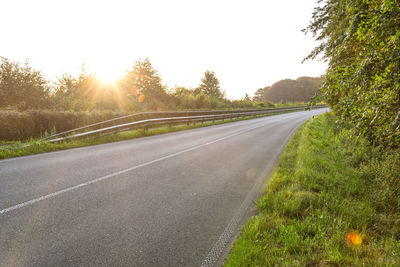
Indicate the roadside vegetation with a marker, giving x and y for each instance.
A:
(300, 90)
(11, 149)
(360, 40)
(23, 125)
(334, 200)
(32, 107)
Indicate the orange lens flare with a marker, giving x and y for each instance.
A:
(141, 98)
(353, 238)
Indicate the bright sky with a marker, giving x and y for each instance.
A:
(248, 44)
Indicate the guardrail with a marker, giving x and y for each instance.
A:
(152, 115)
(152, 119)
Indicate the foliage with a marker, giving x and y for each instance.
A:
(22, 125)
(361, 42)
(140, 90)
(144, 83)
(326, 188)
(300, 90)
(210, 85)
(21, 86)
(193, 99)
(189, 99)
(87, 93)
(246, 102)
(259, 95)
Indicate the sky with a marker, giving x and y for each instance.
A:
(248, 44)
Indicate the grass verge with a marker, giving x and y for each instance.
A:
(36, 146)
(333, 200)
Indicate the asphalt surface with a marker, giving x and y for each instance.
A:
(169, 200)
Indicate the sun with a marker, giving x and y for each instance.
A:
(108, 75)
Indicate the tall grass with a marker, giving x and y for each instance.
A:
(332, 201)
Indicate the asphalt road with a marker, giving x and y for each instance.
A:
(169, 200)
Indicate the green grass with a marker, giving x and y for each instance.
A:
(327, 184)
(36, 146)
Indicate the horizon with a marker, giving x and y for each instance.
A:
(182, 40)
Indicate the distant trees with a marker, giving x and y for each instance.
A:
(85, 92)
(208, 95)
(210, 85)
(360, 40)
(144, 82)
(299, 90)
(75, 93)
(246, 102)
(141, 89)
(260, 94)
(66, 93)
(21, 86)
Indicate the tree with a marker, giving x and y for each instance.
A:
(65, 94)
(184, 97)
(144, 82)
(210, 85)
(300, 90)
(360, 40)
(246, 98)
(22, 87)
(87, 92)
(259, 95)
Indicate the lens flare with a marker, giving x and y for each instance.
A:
(353, 238)
(141, 98)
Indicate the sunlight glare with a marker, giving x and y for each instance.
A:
(108, 75)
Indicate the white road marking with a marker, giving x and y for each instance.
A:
(33, 201)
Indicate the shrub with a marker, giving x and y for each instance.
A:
(20, 125)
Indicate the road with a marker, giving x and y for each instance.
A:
(175, 199)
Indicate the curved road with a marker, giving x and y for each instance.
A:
(175, 199)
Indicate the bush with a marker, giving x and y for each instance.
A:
(21, 125)
(361, 42)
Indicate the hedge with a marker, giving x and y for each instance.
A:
(22, 125)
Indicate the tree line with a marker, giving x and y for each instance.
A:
(360, 40)
(302, 89)
(23, 88)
